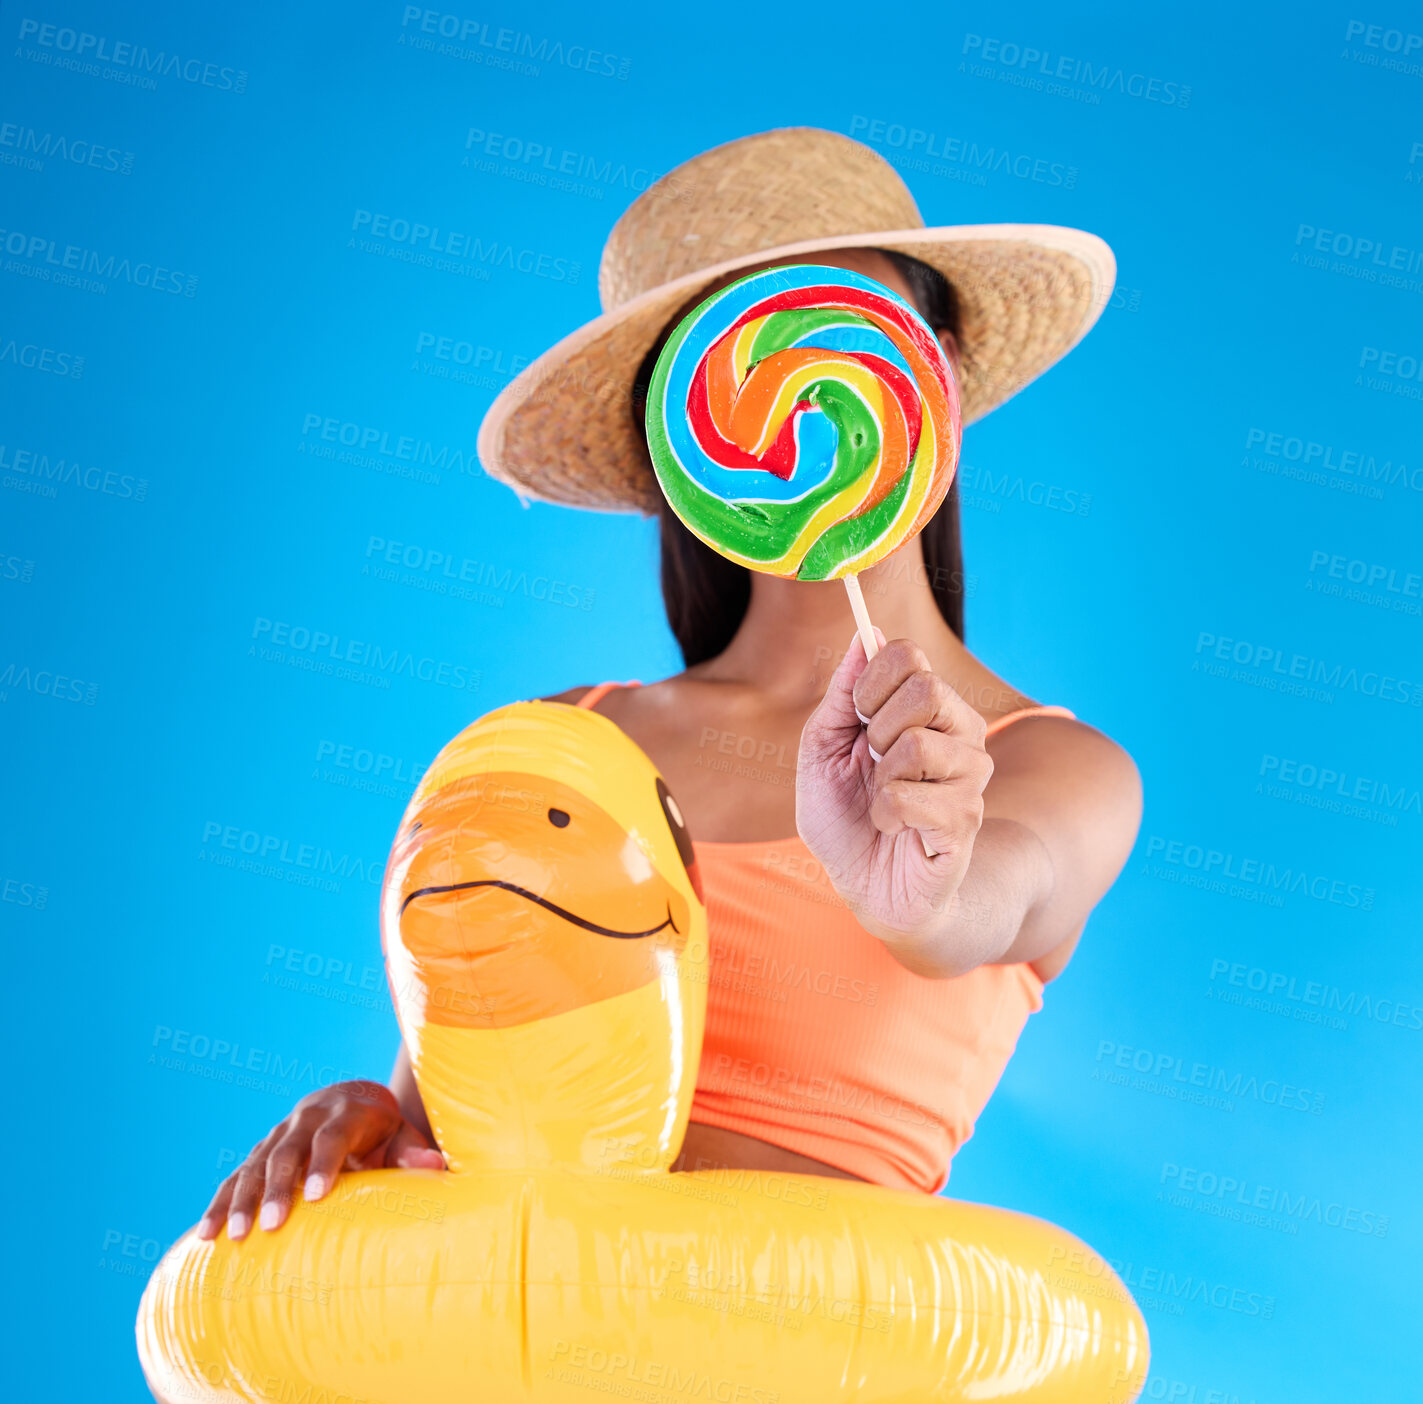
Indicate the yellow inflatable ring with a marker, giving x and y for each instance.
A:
(546, 946)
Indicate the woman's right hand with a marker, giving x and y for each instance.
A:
(349, 1125)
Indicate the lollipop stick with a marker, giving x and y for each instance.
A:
(867, 638)
(862, 615)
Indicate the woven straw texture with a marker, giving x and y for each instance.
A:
(563, 430)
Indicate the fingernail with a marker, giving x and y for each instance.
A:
(864, 720)
(207, 1226)
(237, 1225)
(271, 1215)
(314, 1187)
(874, 754)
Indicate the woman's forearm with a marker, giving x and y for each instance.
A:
(407, 1094)
(1009, 876)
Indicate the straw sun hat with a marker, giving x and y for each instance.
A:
(563, 430)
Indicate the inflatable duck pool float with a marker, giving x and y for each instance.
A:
(546, 945)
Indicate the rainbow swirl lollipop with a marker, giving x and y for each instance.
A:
(804, 422)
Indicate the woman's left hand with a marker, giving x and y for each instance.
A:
(862, 819)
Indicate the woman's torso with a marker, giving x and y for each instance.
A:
(845, 1063)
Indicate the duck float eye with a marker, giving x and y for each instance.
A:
(673, 813)
(558, 1067)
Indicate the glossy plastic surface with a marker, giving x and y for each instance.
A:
(804, 421)
(546, 945)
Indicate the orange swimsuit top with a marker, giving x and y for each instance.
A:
(819, 1041)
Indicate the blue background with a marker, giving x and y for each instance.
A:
(125, 930)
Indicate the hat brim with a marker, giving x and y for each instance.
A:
(563, 431)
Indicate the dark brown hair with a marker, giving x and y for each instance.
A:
(706, 595)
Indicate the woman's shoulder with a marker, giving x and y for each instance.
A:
(619, 701)
(660, 692)
(593, 694)
(992, 697)
(572, 696)
(1058, 742)
(1001, 705)
(659, 716)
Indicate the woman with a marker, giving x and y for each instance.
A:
(864, 998)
